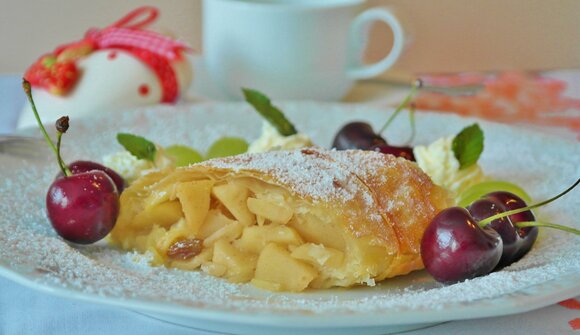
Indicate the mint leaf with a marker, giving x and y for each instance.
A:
(264, 106)
(138, 146)
(468, 145)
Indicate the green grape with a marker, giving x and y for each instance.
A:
(479, 190)
(227, 146)
(183, 155)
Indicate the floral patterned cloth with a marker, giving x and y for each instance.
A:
(510, 97)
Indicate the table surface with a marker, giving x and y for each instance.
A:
(27, 311)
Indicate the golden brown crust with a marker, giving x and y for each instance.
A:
(406, 196)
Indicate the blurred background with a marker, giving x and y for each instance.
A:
(447, 35)
(525, 54)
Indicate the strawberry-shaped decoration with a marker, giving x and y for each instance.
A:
(52, 75)
(38, 73)
(63, 76)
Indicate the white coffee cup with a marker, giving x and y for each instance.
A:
(292, 49)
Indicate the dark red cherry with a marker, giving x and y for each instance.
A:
(405, 152)
(524, 237)
(83, 207)
(77, 167)
(356, 135)
(484, 208)
(454, 248)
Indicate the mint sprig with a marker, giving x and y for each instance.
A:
(467, 146)
(273, 115)
(138, 146)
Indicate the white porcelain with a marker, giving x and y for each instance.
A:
(292, 49)
(32, 254)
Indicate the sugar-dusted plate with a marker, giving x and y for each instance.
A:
(31, 253)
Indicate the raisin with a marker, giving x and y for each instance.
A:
(185, 249)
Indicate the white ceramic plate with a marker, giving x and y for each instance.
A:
(31, 253)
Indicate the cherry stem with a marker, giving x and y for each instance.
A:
(412, 122)
(27, 89)
(524, 224)
(416, 85)
(67, 172)
(484, 222)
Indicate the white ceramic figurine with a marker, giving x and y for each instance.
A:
(119, 67)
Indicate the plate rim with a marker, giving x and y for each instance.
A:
(516, 302)
(529, 302)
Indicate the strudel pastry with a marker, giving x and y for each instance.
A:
(285, 220)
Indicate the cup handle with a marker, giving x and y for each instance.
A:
(361, 25)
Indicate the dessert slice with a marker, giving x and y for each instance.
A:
(285, 220)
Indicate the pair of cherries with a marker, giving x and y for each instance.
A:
(83, 201)
(491, 233)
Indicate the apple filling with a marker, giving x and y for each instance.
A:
(245, 230)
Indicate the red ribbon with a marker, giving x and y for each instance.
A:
(151, 13)
(152, 48)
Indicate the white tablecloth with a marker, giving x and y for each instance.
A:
(24, 311)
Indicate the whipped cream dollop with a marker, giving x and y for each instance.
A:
(272, 140)
(438, 161)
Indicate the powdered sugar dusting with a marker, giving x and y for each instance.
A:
(29, 247)
(319, 175)
(321, 179)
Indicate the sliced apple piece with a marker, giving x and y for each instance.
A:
(255, 238)
(277, 267)
(214, 269)
(233, 196)
(164, 214)
(320, 230)
(228, 233)
(160, 195)
(240, 265)
(214, 221)
(194, 197)
(318, 255)
(270, 210)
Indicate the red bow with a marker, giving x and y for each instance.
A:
(127, 32)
